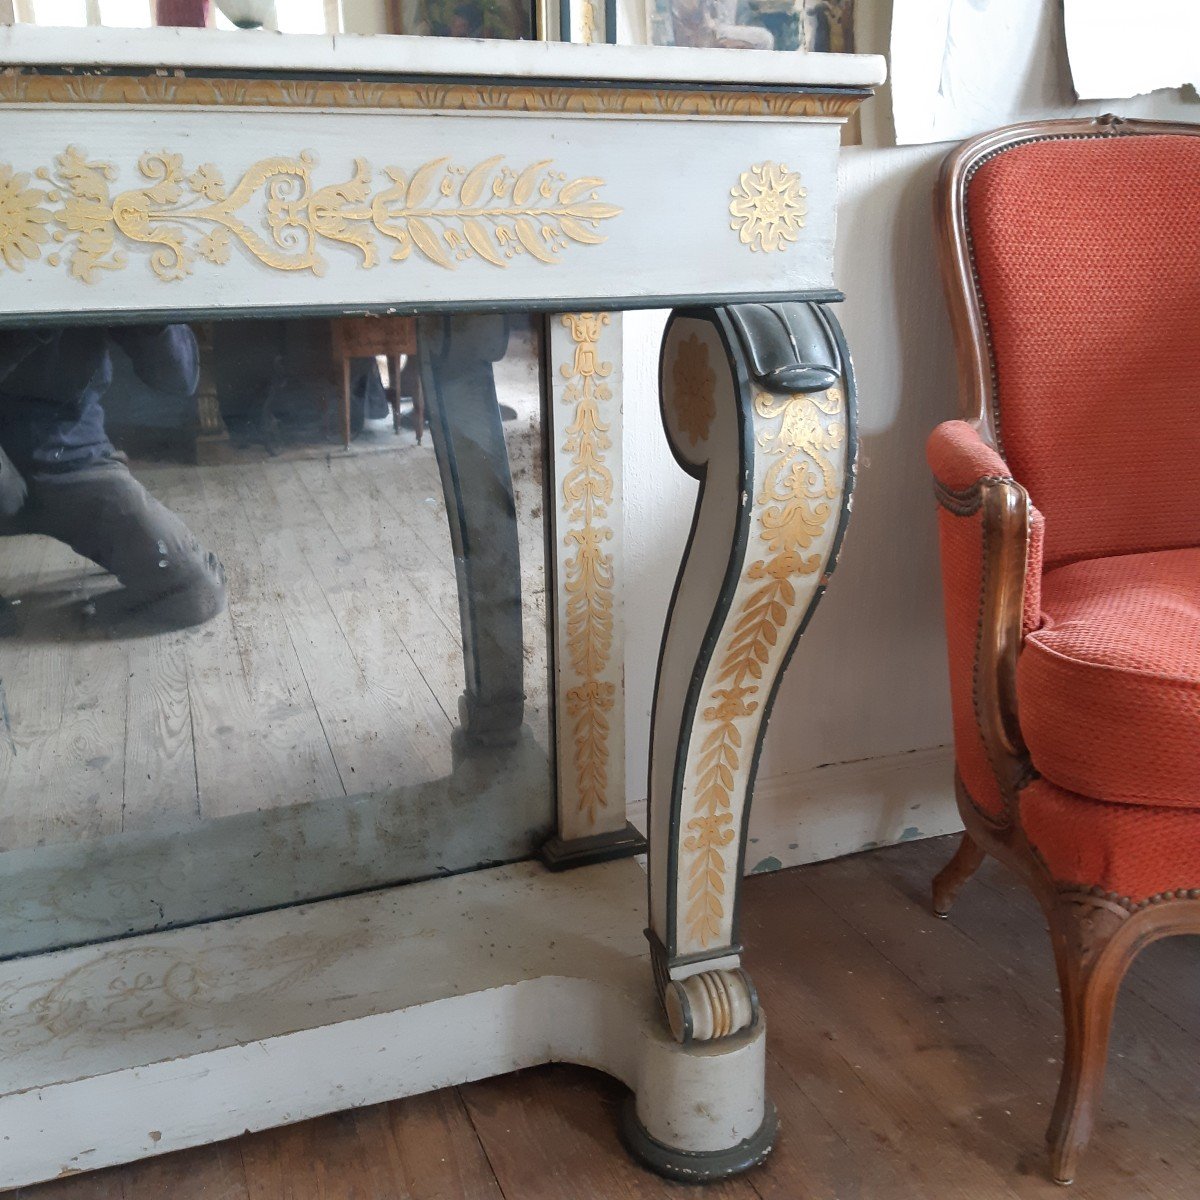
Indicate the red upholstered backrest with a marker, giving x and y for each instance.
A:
(1087, 253)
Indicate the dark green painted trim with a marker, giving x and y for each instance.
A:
(136, 71)
(103, 316)
(691, 1166)
(562, 854)
(686, 960)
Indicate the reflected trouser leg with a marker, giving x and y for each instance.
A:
(12, 489)
(103, 513)
(457, 353)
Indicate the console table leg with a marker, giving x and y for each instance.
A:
(758, 405)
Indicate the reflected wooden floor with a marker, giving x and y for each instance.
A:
(910, 1059)
(335, 671)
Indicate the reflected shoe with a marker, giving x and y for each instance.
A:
(191, 599)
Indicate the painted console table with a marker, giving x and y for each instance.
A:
(192, 174)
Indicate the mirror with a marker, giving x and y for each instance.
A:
(274, 615)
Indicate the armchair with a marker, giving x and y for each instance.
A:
(1069, 511)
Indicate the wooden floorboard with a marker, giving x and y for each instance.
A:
(909, 1058)
(327, 652)
(552, 1133)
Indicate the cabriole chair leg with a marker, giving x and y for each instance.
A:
(1090, 970)
(950, 879)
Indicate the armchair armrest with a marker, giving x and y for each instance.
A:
(991, 546)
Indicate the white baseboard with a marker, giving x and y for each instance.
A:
(847, 807)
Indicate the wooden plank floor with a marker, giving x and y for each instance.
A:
(910, 1059)
(336, 669)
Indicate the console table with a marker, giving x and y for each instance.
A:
(190, 175)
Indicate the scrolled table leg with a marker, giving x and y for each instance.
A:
(758, 406)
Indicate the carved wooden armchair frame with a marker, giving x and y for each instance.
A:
(1095, 934)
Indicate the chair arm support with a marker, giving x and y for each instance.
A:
(991, 564)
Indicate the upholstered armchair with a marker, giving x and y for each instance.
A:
(1069, 509)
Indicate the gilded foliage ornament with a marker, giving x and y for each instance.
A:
(589, 576)
(441, 212)
(796, 499)
(768, 207)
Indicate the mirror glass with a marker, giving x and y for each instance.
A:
(273, 623)
(444, 18)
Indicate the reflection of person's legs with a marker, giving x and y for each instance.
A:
(103, 513)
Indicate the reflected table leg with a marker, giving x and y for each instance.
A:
(458, 354)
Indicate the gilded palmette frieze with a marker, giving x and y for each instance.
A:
(18, 86)
(439, 211)
(588, 571)
(795, 500)
(768, 207)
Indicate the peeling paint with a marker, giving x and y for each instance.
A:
(770, 863)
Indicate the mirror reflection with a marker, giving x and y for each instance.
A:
(273, 622)
(442, 18)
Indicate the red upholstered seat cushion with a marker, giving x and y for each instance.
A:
(1109, 686)
(1133, 851)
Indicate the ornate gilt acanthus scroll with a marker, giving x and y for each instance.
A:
(442, 212)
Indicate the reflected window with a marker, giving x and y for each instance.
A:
(130, 14)
(56, 12)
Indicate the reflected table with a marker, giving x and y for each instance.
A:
(194, 175)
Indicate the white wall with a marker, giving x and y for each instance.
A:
(857, 752)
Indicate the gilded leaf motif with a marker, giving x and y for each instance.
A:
(794, 501)
(589, 581)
